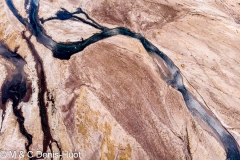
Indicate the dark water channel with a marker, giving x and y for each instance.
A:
(15, 88)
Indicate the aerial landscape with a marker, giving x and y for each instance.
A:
(109, 80)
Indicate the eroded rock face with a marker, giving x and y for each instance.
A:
(114, 101)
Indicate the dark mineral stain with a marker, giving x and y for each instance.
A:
(29, 91)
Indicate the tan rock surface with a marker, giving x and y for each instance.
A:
(109, 101)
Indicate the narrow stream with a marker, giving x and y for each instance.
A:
(47, 136)
(66, 50)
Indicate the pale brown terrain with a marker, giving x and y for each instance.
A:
(110, 101)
